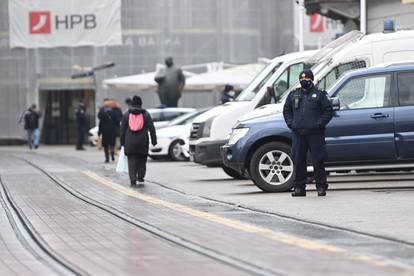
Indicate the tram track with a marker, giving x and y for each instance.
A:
(241, 265)
(32, 240)
(301, 220)
(213, 254)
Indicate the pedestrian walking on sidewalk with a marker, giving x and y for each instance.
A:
(81, 125)
(307, 111)
(136, 123)
(108, 126)
(31, 125)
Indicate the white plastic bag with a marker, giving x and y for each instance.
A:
(122, 165)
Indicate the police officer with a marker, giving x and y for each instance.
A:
(307, 111)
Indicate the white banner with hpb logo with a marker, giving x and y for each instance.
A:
(55, 23)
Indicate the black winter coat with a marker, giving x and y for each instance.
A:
(312, 112)
(81, 116)
(137, 143)
(107, 126)
(31, 119)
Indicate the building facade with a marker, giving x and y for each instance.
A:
(192, 31)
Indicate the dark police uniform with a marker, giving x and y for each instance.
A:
(306, 113)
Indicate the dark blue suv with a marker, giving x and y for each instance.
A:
(372, 129)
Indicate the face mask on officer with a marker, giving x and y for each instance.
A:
(306, 79)
(306, 83)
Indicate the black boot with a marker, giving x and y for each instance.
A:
(321, 191)
(133, 183)
(113, 153)
(299, 192)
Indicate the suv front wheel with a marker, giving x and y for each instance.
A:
(271, 167)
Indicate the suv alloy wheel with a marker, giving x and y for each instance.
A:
(271, 167)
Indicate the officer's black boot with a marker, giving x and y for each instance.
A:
(321, 191)
(299, 192)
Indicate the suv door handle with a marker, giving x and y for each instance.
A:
(379, 116)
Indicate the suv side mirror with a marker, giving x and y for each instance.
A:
(336, 105)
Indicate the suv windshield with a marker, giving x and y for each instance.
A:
(258, 82)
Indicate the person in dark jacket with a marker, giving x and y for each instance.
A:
(136, 141)
(228, 94)
(117, 111)
(31, 125)
(108, 125)
(307, 111)
(171, 82)
(81, 125)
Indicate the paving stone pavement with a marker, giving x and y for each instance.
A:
(247, 246)
(93, 240)
(15, 259)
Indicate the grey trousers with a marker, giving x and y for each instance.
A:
(137, 167)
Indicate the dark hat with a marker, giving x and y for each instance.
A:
(306, 73)
(136, 101)
(228, 87)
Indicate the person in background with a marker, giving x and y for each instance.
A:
(31, 125)
(116, 108)
(228, 94)
(108, 126)
(81, 125)
(171, 82)
(128, 102)
(136, 124)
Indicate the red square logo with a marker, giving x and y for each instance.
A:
(316, 23)
(39, 22)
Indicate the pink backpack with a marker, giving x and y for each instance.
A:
(135, 122)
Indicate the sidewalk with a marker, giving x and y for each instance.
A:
(384, 212)
(96, 241)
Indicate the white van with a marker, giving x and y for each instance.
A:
(365, 51)
(210, 130)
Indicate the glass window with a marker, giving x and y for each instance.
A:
(330, 78)
(289, 76)
(294, 72)
(365, 92)
(169, 115)
(156, 116)
(406, 88)
(253, 88)
(281, 84)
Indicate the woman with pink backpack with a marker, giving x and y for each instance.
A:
(135, 125)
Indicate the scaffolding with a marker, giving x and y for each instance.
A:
(192, 31)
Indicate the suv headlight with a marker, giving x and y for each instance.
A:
(237, 134)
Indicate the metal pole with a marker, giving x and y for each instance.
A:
(301, 15)
(363, 16)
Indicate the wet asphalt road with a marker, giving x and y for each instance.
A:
(363, 226)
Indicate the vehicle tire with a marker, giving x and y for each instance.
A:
(175, 152)
(233, 173)
(271, 167)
